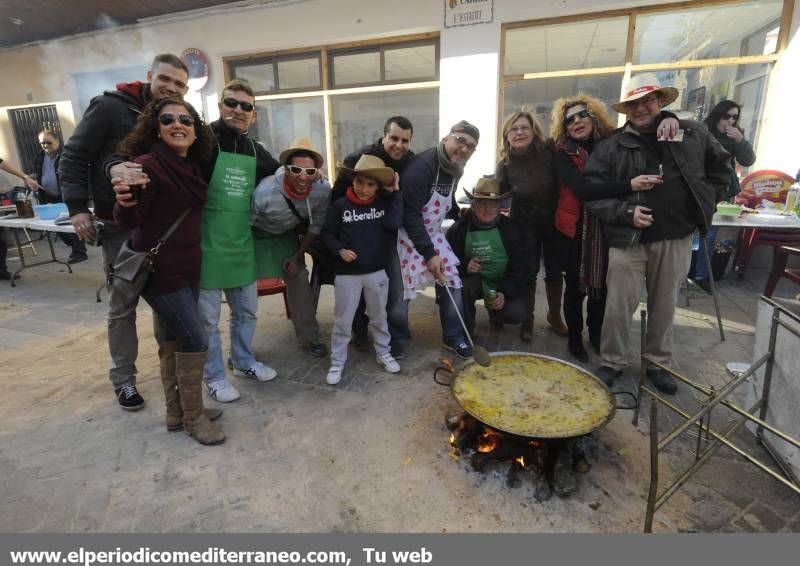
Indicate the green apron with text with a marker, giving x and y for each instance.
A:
(227, 243)
(487, 246)
(272, 250)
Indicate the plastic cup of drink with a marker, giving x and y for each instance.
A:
(132, 175)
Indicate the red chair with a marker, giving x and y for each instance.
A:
(752, 237)
(273, 286)
(779, 269)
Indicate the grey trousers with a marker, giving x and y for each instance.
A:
(301, 305)
(347, 290)
(662, 266)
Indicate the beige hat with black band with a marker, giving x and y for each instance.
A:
(487, 189)
(642, 85)
(372, 167)
(301, 144)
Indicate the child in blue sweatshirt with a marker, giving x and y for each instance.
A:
(356, 231)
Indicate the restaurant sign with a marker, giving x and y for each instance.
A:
(467, 12)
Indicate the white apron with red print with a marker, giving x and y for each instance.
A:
(412, 265)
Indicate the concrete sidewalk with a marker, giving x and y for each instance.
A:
(369, 455)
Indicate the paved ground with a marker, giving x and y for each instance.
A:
(369, 455)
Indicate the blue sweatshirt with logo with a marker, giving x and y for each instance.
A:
(365, 229)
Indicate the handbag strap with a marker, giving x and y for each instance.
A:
(293, 208)
(169, 232)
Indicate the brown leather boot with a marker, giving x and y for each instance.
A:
(554, 294)
(189, 371)
(526, 328)
(174, 419)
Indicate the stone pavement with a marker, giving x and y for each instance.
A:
(369, 455)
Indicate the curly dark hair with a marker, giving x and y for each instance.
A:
(145, 134)
(718, 113)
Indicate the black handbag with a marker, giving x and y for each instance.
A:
(132, 269)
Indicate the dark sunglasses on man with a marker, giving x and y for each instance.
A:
(233, 103)
(572, 117)
(166, 119)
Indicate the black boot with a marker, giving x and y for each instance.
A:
(575, 346)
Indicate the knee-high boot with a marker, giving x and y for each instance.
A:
(174, 419)
(526, 328)
(554, 289)
(189, 371)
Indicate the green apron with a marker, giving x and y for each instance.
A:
(487, 245)
(227, 243)
(272, 250)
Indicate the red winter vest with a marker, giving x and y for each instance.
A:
(568, 209)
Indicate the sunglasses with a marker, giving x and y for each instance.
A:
(233, 103)
(462, 141)
(166, 119)
(734, 117)
(296, 170)
(647, 100)
(572, 117)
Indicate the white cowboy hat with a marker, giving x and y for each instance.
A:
(301, 144)
(642, 85)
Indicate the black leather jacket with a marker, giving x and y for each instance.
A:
(701, 160)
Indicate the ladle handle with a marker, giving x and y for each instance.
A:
(458, 313)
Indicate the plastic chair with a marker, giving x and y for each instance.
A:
(273, 286)
(779, 269)
(752, 237)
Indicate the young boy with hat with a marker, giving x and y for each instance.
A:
(356, 231)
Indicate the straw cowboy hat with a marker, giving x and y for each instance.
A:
(642, 85)
(301, 144)
(372, 167)
(487, 189)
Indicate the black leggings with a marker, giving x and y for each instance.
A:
(569, 251)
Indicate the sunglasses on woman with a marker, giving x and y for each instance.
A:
(572, 117)
(734, 117)
(233, 103)
(166, 119)
(295, 170)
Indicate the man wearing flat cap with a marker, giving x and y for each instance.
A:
(288, 213)
(650, 232)
(428, 186)
(492, 258)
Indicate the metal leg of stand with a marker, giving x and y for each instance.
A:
(704, 247)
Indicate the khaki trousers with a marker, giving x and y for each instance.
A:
(663, 267)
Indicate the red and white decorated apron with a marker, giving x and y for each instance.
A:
(412, 265)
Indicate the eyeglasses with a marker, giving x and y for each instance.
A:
(296, 170)
(734, 117)
(462, 141)
(572, 117)
(233, 103)
(645, 101)
(520, 129)
(166, 119)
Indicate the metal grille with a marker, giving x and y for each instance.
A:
(27, 123)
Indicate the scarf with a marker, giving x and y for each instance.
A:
(445, 164)
(355, 199)
(290, 192)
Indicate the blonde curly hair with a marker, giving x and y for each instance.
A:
(603, 126)
(538, 131)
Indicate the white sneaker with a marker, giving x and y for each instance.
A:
(257, 371)
(388, 362)
(222, 391)
(334, 375)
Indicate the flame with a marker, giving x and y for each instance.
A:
(520, 460)
(452, 439)
(487, 441)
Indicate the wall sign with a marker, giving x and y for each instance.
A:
(467, 12)
(198, 67)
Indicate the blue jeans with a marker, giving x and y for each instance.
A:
(452, 331)
(700, 266)
(243, 302)
(396, 307)
(178, 312)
